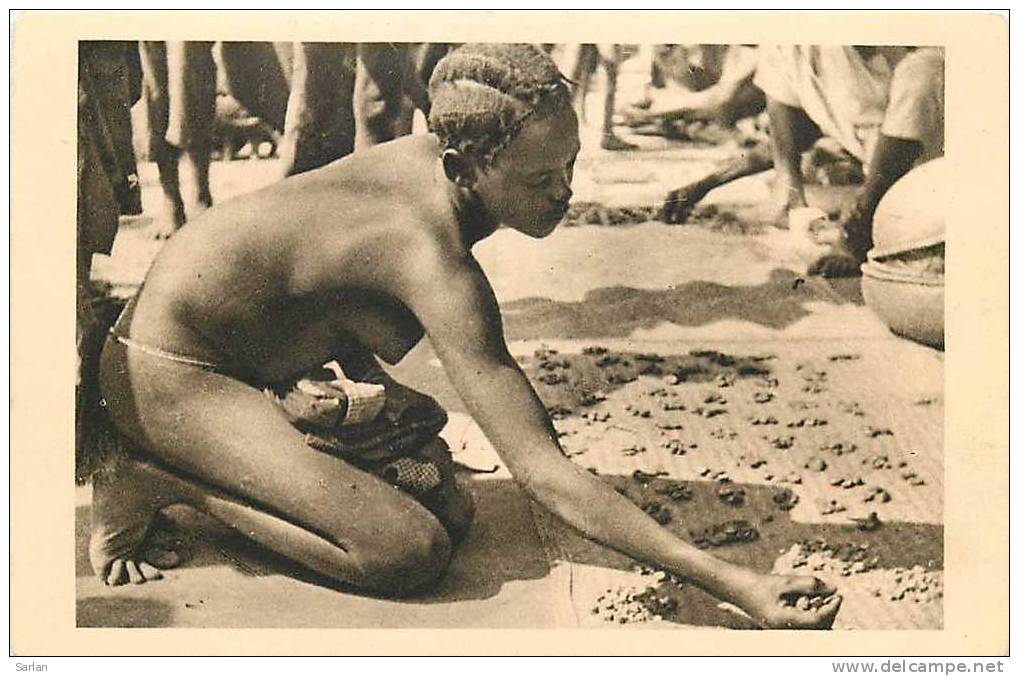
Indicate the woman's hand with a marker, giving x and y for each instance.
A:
(790, 602)
(403, 402)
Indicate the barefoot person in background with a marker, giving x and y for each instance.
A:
(179, 86)
(609, 57)
(357, 260)
(884, 105)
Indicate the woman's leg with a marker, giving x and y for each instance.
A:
(230, 452)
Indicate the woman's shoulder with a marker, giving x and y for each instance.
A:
(408, 151)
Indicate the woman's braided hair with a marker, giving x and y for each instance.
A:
(483, 93)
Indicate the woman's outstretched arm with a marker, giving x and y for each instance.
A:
(459, 311)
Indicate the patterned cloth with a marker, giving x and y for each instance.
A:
(377, 425)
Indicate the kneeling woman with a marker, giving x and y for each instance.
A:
(355, 260)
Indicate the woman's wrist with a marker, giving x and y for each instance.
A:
(724, 580)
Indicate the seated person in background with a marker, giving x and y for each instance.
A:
(884, 105)
(359, 258)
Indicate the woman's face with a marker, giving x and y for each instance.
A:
(528, 186)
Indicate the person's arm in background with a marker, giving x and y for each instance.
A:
(893, 157)
(733, 97)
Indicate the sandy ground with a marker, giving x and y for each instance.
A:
(645, 288)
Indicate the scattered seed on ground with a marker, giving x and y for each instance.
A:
(724, 533)
(815, 464)
(724, 380)
(851, 407)
(643, 477)
(559, 412)
(827, 506)
(807, 422)
(848, 482)
(781, 442)
(675, 492)
(845, 558)
(846, 356)
(785, 499)
(677, 447)
(877, 494)
(731, 495)
(657, 511)
(838, 448)
(869, 523)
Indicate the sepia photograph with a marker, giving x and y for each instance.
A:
(628, 336)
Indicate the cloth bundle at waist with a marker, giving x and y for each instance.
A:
(374, 423)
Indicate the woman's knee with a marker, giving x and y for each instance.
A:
(410, 556)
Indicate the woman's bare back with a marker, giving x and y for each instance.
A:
(271, 283)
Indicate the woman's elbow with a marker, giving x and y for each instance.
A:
(548, 491)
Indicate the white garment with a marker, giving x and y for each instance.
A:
(854, 99)
(916, 102)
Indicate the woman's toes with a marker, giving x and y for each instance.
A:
(149, 572)
(116, 574)
(133, 574)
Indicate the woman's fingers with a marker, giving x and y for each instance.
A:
(818, 617)
(807, 585)
(827, 612)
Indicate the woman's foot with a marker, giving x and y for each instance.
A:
(125, 502)
(613, 142)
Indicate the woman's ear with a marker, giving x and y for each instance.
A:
(458, 168)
